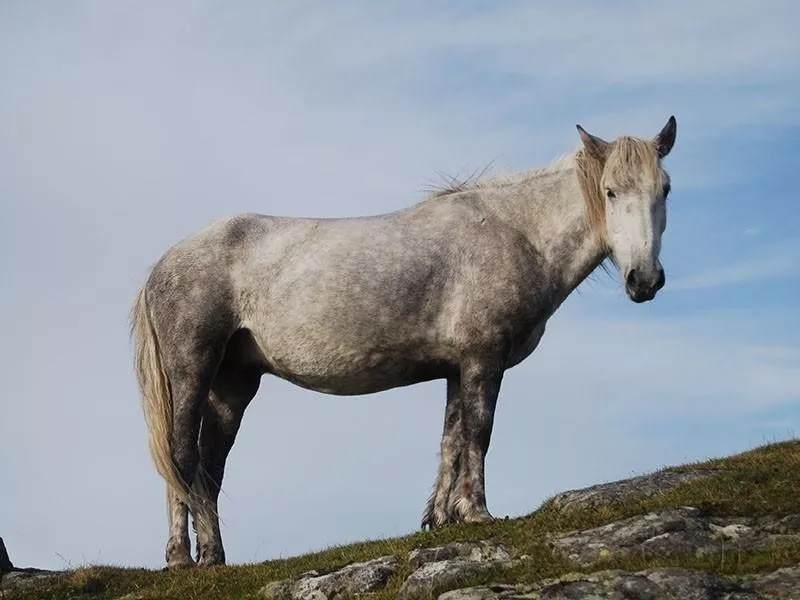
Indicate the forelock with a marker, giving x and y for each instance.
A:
(630, 159)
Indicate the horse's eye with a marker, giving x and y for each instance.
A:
(667, 189)
(610, 194)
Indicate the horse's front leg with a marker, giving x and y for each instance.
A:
(480, 386)
(437, 511)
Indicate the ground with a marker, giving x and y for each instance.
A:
(734, 517)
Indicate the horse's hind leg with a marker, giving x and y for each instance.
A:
(179, 553)
(189, 396)
(231, 392)
(437, 511)
(191, 366)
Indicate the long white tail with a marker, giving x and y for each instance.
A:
(156, 396)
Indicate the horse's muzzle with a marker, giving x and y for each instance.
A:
(641, 288)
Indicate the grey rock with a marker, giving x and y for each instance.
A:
(471, 560)
(11, 576)
(675, 532)
(356, 578)
(653, 584)
(277, 590)
(26, 577)
(479, 551)
(625, 490)
(487, 592)
(783, 584)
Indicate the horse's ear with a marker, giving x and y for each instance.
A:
(595, 146)
(666, 138)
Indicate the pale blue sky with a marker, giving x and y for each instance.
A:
(125, 126)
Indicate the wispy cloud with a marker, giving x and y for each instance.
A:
(666, 366)
(778, 261)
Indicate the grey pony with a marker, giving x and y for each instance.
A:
(457, 287)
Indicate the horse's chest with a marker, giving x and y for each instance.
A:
(526, 345)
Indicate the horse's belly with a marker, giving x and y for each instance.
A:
(348, 378)
(337, 363)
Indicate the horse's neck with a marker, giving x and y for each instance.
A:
(550, 211)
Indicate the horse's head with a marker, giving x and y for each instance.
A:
(631, 188)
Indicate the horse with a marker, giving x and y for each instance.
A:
(458, 286)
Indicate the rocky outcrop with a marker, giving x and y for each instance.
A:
(672, 533)
(17, 576)
(634, 558)
(26, 577)
(446, 566)
(351, 580)
(473, 551)
(676, 532)
(652, 584)
(438, 568)
(626, 490)
(783, 584)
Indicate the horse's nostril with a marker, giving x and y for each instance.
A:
(635, 281)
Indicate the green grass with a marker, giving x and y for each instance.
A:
(764, 481)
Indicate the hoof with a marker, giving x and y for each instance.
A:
(178, 557)
(210, 562)
(208, 557)
(470, 513)
(430, 525)
(432, 521)
(483, 517)
(180, 564)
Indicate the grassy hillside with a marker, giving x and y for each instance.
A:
(761, 482)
